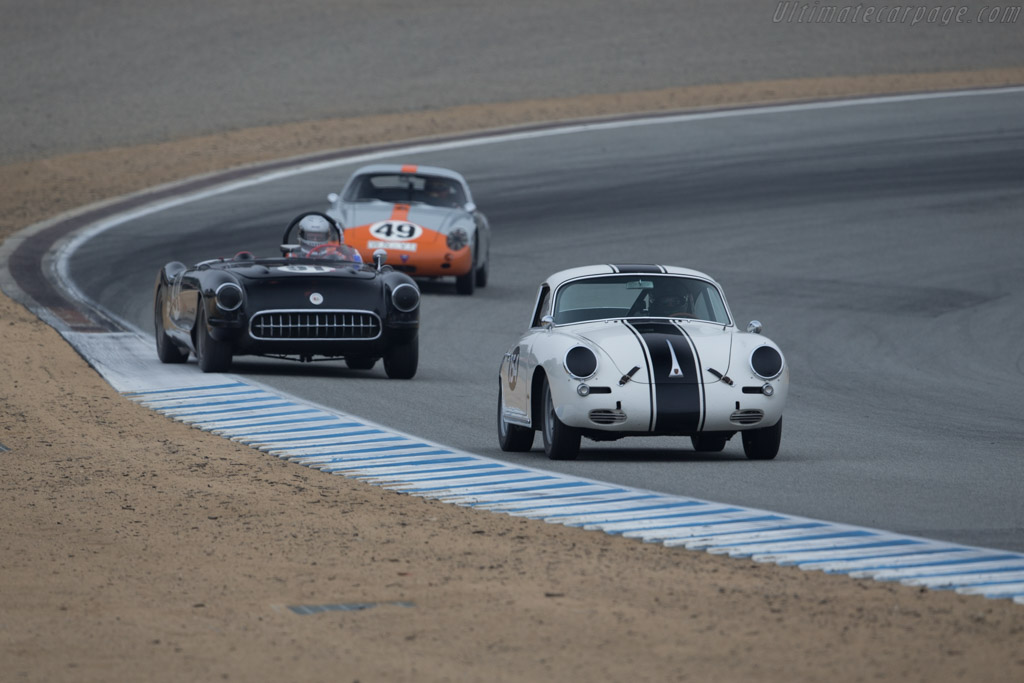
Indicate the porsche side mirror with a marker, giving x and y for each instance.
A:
(470, 207)
(547, 321)
(332, 197)
(755, 327)
(380, 257)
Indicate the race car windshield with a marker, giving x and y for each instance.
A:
(632, 296)
(406, 188)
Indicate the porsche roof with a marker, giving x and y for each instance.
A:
(630, 268)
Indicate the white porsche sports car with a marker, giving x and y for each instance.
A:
(424, 217)
(639, 350)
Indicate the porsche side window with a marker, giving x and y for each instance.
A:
(543, 306)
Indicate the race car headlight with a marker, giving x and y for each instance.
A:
(405, 297)
(229, 296)
(457, 239)
(580, 362)
(766, 362)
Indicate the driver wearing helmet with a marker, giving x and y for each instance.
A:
(440, 192)
(672, 304)
(315, 241)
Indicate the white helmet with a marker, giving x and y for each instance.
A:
(313, 231)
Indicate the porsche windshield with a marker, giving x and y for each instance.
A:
(639, 296)
(406, 188)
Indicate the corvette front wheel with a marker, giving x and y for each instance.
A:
(762, 444)
(166, 350)
(213, 355)
(560, 441)
(401, 360)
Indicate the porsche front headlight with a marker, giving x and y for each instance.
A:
(766, 362)
(580, 362)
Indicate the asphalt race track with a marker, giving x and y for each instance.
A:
(877, 241)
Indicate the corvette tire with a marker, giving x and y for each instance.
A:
(763, 444)
(166, 350)
(560, 441)
(512, 438)
(401, 360)
(213, 355)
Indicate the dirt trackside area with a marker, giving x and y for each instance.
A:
(134, 548)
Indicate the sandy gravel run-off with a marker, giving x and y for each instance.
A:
(136, 548)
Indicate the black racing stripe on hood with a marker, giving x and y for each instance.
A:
(636, 268)
(675, 377)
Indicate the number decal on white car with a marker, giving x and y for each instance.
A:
(395, 230)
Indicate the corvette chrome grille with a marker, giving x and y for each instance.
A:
(607, 417)
(746, 417)
(314, 325)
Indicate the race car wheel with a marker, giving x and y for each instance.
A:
(512, 438)
(560, 442)
(763, 444)
(481, 272)
(360, 362)
(401, 360)
(213, 355)
(464, 284)
(166, 350)
(708, 443)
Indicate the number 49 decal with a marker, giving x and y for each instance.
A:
(395, 230)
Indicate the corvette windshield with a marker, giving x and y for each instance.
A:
(406, 188)
(639, 296)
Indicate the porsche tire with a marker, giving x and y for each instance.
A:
(402, 360)
(465, 284)
(482, 272)
(166, 350)
(762, 444)
(560, 441)
(512, 438)
(708, 443)
(213, 355)
(360, 362)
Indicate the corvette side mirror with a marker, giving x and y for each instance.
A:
(288, 249)
(379, 258)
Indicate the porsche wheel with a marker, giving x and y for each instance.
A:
(360, 362)
(213, 355)
(401, 360)
(512, 438)
(166, 350)
(560, 442)
(708, 443)
(465, 284)
(763, 444)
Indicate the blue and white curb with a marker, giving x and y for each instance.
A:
(338, 443)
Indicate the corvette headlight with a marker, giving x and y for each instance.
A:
(457, 239)
(580, 362)
(229, 296)
(405, 297)
(766, 362)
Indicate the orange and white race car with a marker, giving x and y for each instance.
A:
(422, 216)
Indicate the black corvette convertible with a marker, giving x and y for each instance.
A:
(299, 307)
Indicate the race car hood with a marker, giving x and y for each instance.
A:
(667, 350)
(298, 269)
(434, 218)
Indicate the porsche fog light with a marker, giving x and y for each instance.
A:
(766, 362)
(768, 389)
(583, 390)
(229, 296)
(405, 297)
(457, 239)
(580, 362)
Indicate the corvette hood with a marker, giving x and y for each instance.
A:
(435, 218)
(677, 352)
